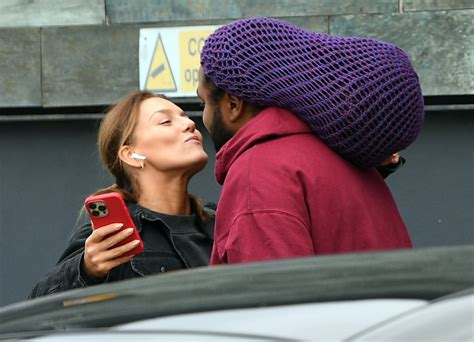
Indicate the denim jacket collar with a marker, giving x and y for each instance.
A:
(138, 213)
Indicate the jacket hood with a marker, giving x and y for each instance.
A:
(270, 123)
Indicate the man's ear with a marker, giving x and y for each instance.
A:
(125, 155)
(235, 108)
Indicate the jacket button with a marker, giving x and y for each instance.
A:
(163, 269)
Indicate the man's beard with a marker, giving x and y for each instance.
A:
(219, 133)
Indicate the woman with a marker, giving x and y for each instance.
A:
(176, 230)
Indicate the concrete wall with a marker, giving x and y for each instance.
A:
(85, 52)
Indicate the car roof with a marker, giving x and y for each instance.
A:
(425, 273)
(448, 319)
(322, 321)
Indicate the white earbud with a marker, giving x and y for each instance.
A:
(137, 156)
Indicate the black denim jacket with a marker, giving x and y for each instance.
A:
(68, 273)
(169, 255)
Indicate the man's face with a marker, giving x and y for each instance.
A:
(213, 116)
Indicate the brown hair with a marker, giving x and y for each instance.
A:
(115, 131)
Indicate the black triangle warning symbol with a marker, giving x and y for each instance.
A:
(160, 77)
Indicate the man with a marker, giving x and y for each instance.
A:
(286, 192)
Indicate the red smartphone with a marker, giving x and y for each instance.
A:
(110, 208)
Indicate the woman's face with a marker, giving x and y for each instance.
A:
(168, 138)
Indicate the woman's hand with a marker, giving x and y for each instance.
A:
(100, 256)
(392, 159)
(390, 165)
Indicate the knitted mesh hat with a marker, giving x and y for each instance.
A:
(361, 96)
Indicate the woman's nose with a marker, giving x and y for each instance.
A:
(190, 124)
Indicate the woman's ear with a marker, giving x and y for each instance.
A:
(126, 156)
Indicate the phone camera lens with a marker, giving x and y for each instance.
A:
(92, 206)
(95, 213)
(102, 208)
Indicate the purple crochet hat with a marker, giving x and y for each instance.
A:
(361, 96)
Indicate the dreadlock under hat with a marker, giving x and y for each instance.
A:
(361, 96)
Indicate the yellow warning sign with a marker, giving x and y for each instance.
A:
(190, 47)
(160, 77)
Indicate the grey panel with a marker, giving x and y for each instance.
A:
(142, 11)
(440, 44)
(89, 65)
(51, 12)
(427, 5)
(3, 241)
(20, 67)
(315, 23)
(434, 191)
(50, 167)
(283, 8)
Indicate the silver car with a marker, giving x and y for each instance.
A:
(408, 295)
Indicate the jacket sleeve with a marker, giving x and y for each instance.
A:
(68, 274)
(265, 235)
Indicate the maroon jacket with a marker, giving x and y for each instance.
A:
(286, 194)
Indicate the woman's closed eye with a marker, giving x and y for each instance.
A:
(165, 122)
